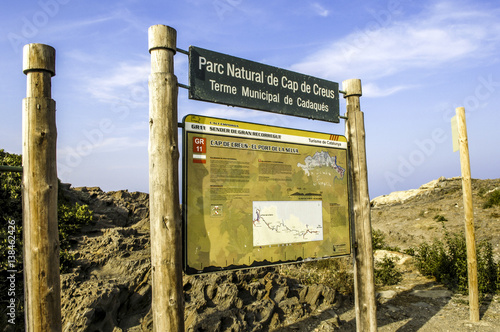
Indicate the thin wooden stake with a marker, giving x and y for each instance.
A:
(42, 292)
(469, 216)
(366, 310)
(166, 240)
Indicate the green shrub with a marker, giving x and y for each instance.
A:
(10, 225)
(410, 251)
(386, 272)
(493, 199)
(10, 209)
(67, 261)
(439, 218)
(71, 218)
(447, 262)
(378, 239)
(487, 269)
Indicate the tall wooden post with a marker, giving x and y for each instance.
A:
(41, 238)
(469, 215)
(366, 313)
(166, 239)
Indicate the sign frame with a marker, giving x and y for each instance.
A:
(229, 80)
(194, 153)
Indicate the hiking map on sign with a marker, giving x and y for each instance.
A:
(258, 195)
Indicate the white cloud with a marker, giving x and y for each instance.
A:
(371, 89)
(106, 145)
(440, 35)
(121, 143)
(126, 82)
(320, 10)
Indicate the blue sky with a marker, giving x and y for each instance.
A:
(417, 60)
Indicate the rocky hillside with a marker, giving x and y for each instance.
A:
(408, 218)
(109, 288)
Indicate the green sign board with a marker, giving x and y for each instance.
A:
(258, 195)
(224, 79)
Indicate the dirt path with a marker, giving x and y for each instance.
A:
(416, 304)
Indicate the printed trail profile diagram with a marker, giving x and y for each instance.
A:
(284, 222)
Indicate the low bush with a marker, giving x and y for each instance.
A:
(71, 218)
(488, 271)
(386, 272)
(378, 242)
(447, 261)
(378, 239)
(439, 218)
(492, 199)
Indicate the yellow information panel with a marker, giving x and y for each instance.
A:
(258, 195)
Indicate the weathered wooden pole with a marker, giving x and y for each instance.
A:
(469, 215)
(166, 240)
(42, 291)
(366, 311)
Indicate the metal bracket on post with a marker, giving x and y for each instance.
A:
(182, 51)
(6, 168)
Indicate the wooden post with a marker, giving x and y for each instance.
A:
(42, 292)
(366, 311)
(469, 215)
(164, 210)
